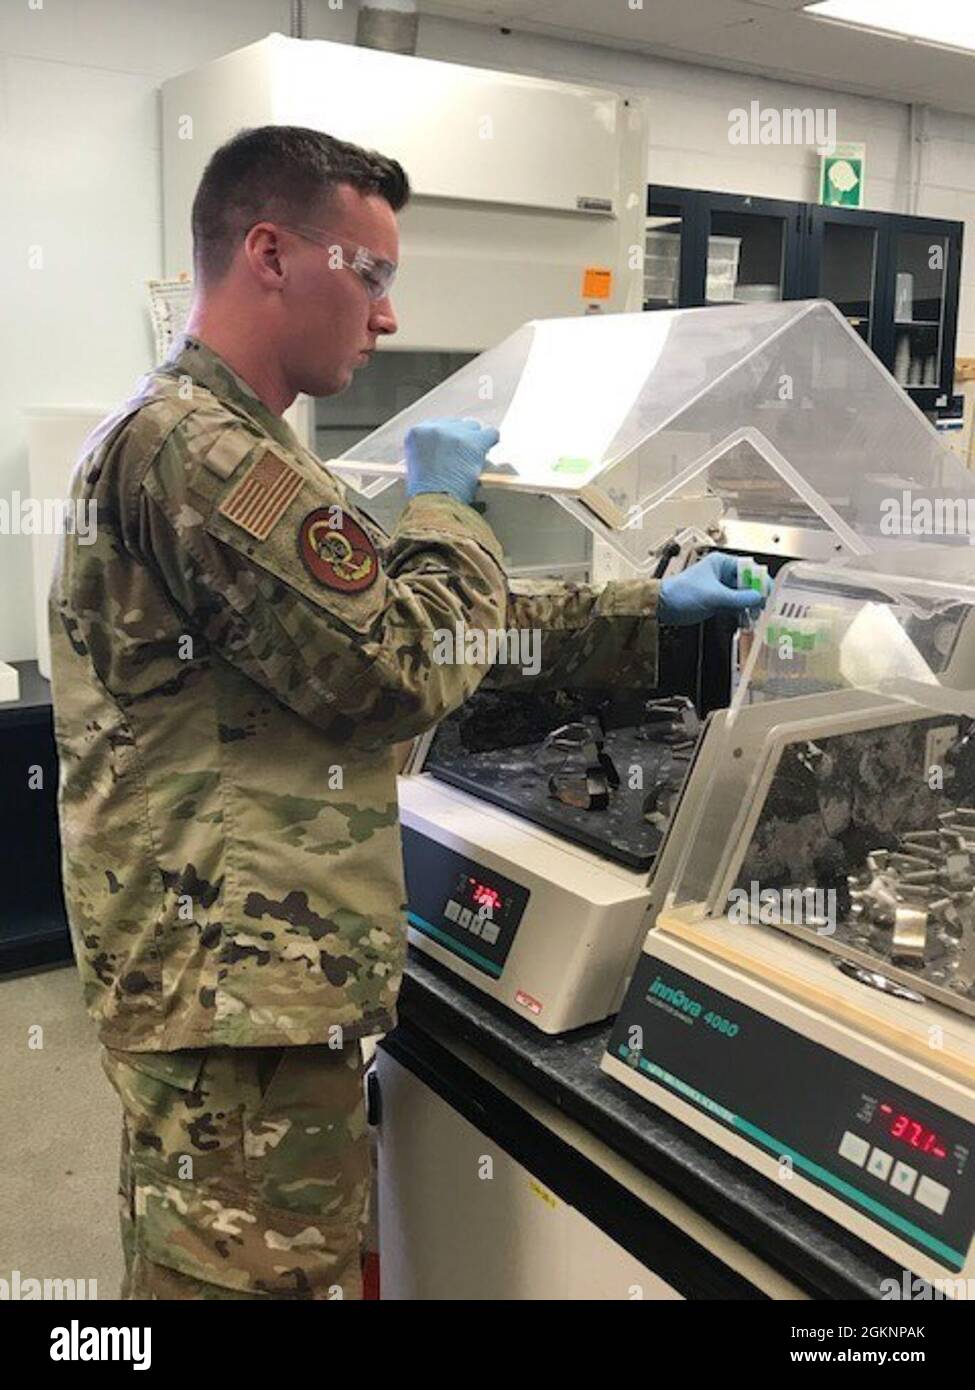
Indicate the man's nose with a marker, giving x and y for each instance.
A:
(383, 317)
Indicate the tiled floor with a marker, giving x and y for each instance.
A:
(59, 1136)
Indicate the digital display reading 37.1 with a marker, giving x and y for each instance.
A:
(911, 1131)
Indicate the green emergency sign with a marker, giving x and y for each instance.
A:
(841, 177)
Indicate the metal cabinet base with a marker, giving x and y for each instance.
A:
(484, 1194)
(460, 1219)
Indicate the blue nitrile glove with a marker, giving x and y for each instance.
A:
(703, 589)
(447, 456)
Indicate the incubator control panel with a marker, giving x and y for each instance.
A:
(896, 1157)
(471, 910)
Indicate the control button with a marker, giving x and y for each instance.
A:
(903, 1178)
(490, 933)
(451, 910)
(880, 1164)
(476, 923)
(854, 1148)
(933, 1195)
(465, 917)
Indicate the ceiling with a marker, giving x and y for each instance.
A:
(772, 38)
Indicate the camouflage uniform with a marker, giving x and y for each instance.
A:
(244, 1173)
(234, 658)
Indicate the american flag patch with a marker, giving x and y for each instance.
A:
(262, 496)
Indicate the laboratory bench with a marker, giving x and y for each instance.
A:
(705, 1224)
(33, 923)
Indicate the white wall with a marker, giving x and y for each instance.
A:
(79, 168)
(80, 180)
(689, 130)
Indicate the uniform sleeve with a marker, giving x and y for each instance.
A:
(284, 580)
(580, 636)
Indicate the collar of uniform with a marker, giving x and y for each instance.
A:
(191, 357)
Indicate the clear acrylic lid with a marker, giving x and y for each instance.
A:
(844, 772)
(888, 625)
(775, 413)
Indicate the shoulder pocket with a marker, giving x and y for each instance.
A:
(228, 451)
(293, 525)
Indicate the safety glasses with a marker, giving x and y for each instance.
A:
(376, 274)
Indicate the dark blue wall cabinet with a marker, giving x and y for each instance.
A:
(895, 278)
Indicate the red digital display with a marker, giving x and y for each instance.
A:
(484, 895)
(911, 1131)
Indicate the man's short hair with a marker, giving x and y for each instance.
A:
(279, 173)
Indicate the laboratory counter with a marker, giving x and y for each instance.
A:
(33, 925)
(442, 1020)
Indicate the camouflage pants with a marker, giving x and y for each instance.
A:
(244, 1173)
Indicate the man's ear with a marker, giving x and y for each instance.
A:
(263, 252)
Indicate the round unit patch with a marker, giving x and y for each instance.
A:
(336, 551)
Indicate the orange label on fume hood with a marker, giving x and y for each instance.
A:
(597, 282)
